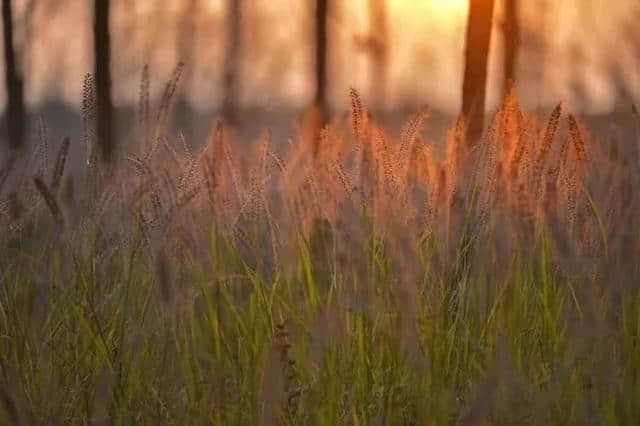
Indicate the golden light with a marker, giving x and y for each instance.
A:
(449, 7)
(433, 11)
(442, 9)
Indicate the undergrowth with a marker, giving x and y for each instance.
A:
(346, 277)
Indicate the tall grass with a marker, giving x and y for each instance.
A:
(345, 278)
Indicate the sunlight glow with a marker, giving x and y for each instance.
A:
(440, 11)
(449, 7)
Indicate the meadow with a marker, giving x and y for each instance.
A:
(346, 276)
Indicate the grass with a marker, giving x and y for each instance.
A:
(347, 279)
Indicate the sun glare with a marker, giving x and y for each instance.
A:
(439, 9)
(448, 7)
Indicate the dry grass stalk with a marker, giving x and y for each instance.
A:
(545, 147)
(552, 177)
(356, 113)
(50, 201)
(144, 107)
(519, 151)
(41, 154)
(511, 126)
(162, 117)
(280, 393)
(5, 172)
(577, 139)
(89, 116)
(58, 170)
(409, 134)
(89, 111)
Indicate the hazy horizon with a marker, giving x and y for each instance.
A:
(425, 45)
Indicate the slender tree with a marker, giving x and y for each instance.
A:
(511, 35)
(186, 47)
(15, 113)
(233, 60)
(474, 87)
(321, 20)
(102, 64)
(187, 36)
(379, 49)
(29, 24)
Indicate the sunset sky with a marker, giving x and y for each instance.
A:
(583, 63)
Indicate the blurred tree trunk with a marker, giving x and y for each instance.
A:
(29, 26)
(187, 35)
(186, 47)
(474, 89)
(380, 52)
(232, 60)
(537, 45)
(322, 12)
(511, 34)
(102, 64)
(15, 115)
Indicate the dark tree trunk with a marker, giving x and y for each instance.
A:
(322, 11)
(15, 114)
(232, 60)
(511, 34)
(102, 58)
(474, 88)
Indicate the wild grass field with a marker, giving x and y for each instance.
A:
(348, 276)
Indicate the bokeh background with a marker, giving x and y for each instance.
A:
(585, 53)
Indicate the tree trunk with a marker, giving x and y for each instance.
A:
(511, 34)
(322, 11)
(15, 115)
(186, 47)
(187, 31)
(29, 25)
(232, 60)
(474, 88)
(102, 59)
(380, 53)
